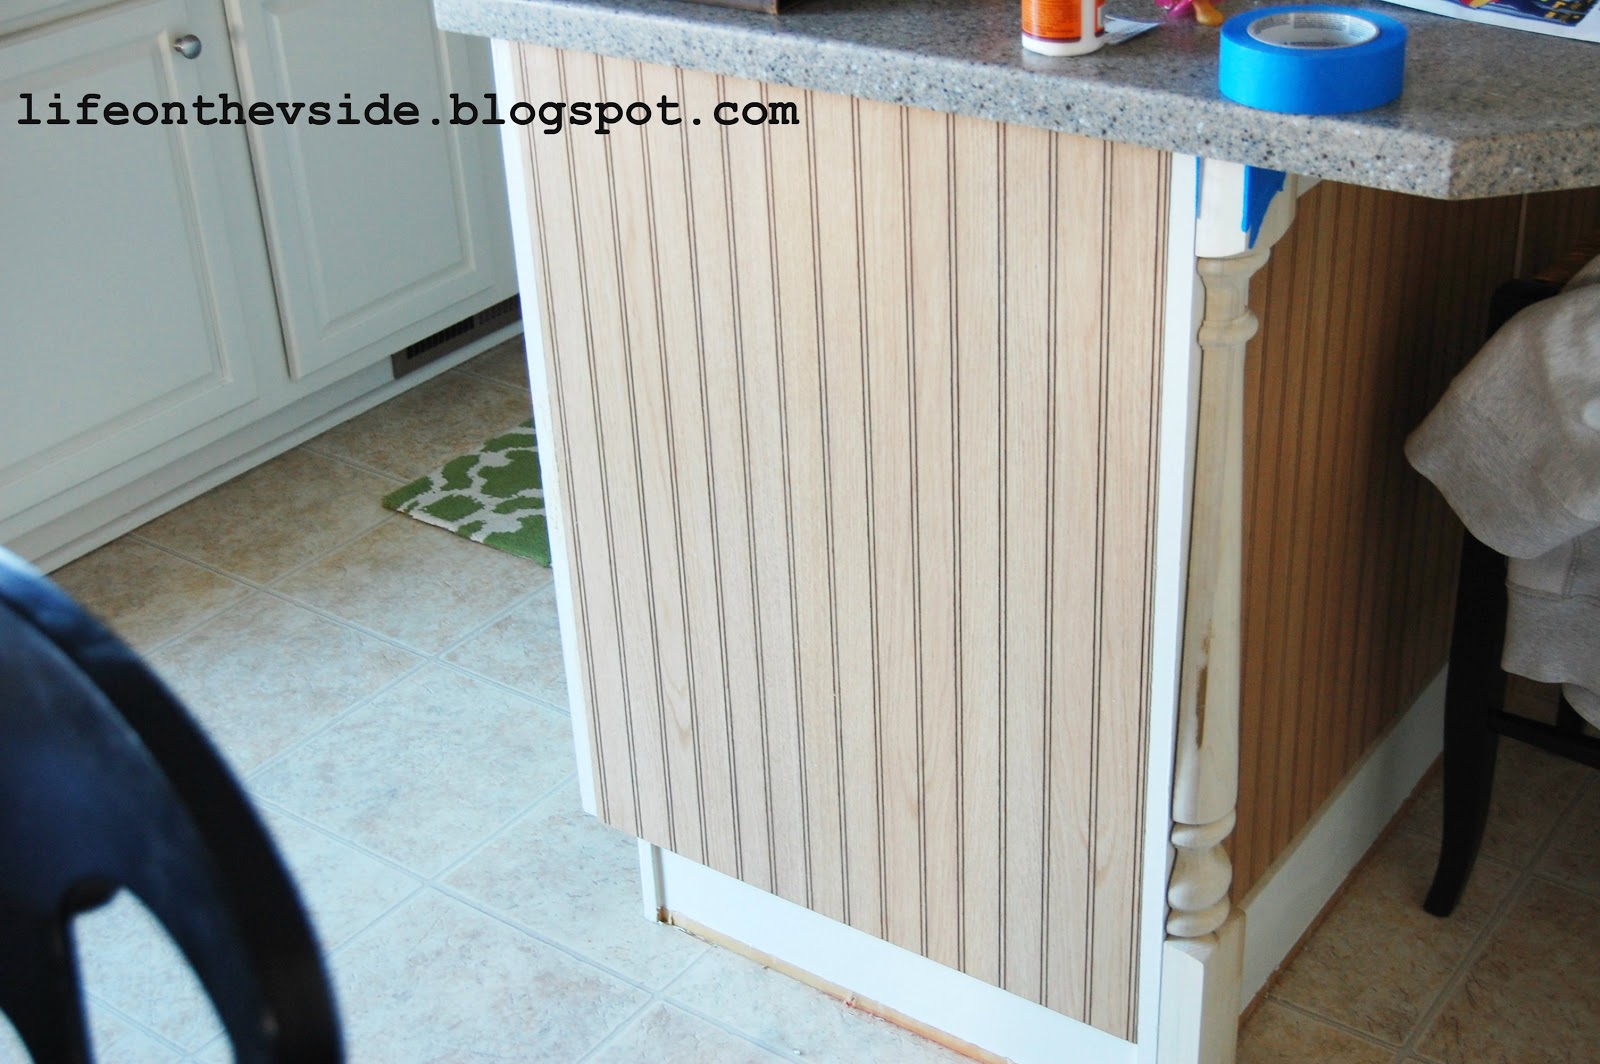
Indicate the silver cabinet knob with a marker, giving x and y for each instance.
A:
(187, 46)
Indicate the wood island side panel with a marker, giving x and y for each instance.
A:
(1368, 306)
(857, 423)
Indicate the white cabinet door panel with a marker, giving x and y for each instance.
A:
(122, 268)
(371, 229)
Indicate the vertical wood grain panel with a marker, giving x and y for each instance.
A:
(1369, 305)
(564, 254)
(761, 369)
(858, 419)
(836, 144)
(793, 191)
(930, 148)
(979, 306)
(722, 393)
(665, 490)
(692, 511)
(1553, 222)
(1074, 607)
(606, 363)
(886, 274)
(1136, 257)
(1027, 353)
(632, 422)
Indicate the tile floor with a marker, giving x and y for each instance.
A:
(393, 698)
(1512, 977)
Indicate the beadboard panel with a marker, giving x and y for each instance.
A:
(1368, 307)
(1553, 222)
(858, 424)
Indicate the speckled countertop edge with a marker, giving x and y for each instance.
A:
(1485, 112)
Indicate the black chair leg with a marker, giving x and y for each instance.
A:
(1474, 692)
(1568, 719)
(39, 991)
(1469, 755)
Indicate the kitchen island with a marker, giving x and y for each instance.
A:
(925, 616)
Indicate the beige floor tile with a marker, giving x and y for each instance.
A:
(426, 770)
(1574, 854)
(665, 1035)
(1378, 962)
(569, 877)
(439, 982)
(521, 650)
(216, 1051)
(275, 517)
(788, 1015)
(264, 674)
(343, 889)
(145, 594)
(129, 961)
(420, 585)
(1533, 995)
(1531, 788)
(419, 430)
(506, 363)
(1276, 1034)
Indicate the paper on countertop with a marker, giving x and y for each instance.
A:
(1124, 29)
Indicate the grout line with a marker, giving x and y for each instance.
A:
(100, 1001)
(538, 700)
(542, 937)
(365, 700)
(495, 618)
(399, 479)
(465, 370)
(383, 517)
(1339, 1025)
(304, 821)
(246, 586)
(746, 1036)
(504, 828)
(1494, 923)
(388, 517)
(614, 1035)
(418, 887)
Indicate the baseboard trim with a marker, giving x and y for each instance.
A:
(899, 985)
(100, 520)
(1294, 890)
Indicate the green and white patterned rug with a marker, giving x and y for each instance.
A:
(490, 496)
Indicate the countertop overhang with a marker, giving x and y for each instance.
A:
(1485, 111)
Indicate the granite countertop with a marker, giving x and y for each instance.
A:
(1485, 111)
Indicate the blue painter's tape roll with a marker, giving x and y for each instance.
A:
(1312, 59)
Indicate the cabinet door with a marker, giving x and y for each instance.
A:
(378, 235)
(129, 259)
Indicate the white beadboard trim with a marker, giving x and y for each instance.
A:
(1179, 389)
(1294, 890)
(912, 985)
(503, 60)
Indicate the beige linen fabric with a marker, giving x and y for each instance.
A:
(1514, 446)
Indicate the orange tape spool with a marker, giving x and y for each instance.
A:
(1056, 27)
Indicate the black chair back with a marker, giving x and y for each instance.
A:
(106, 783)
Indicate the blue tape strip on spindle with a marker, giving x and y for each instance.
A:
(1260, 186)
(1294, 59)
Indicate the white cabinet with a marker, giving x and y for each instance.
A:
(376, 230)
(129, 263)
(186, 296)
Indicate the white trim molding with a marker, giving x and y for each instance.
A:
(1283, 905)
(1203, 954)
(905, 983)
